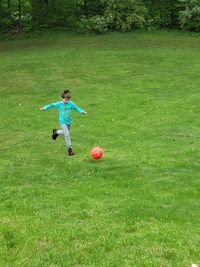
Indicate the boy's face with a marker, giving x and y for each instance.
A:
(66, 98)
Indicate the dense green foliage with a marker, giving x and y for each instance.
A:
(98, 15)
(162, 13)
(136, 207)
(190, 17)
(116, 15)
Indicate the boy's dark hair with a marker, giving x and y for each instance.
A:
(64, 93)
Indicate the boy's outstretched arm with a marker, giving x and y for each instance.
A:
(80, 110)
(53, 105)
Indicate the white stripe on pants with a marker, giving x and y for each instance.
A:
(66, 132)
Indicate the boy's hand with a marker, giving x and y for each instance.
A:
(42, 109)
(84, 113)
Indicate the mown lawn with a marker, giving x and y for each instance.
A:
(137, 206)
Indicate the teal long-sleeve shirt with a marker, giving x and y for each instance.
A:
(65, 110)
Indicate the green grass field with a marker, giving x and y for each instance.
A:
(137, 206)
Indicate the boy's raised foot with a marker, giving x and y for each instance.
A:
(70, 152)
(54, 135)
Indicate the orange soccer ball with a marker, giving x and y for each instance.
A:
(96, 152)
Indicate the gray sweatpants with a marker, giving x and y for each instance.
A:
(66, 132)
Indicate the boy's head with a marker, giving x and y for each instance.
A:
(66, 95)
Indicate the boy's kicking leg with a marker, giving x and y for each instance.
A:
(66, 132)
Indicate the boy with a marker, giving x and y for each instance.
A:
(65, 107)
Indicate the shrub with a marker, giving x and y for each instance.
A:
(162, 14)
(190, 17)
(96, 24)
(125, 15)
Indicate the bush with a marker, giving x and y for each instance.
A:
(162, 14)
(125, 15)
(55, 14)
(5, 23)
(95, 24)
(190, 17)
(15, 18)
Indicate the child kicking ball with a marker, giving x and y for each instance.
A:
(65, 107)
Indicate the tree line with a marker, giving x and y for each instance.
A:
(98, 16)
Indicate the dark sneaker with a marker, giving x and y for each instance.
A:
(70, 152)
(54, 135)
